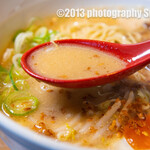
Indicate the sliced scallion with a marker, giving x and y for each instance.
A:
(20, 103)
(2, 69)
(19, 62)
(11, 78)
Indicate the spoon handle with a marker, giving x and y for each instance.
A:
(142, 49)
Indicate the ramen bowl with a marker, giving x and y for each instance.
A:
(16, 15)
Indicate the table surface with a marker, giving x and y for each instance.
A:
(3, 146)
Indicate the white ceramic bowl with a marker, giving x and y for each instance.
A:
(15, 14)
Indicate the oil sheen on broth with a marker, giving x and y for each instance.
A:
(73, 62)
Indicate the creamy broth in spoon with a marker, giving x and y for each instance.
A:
(73, 62)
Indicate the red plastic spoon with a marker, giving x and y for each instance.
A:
(136, 56)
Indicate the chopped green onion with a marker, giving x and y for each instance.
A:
(40, 40)
(19, 62)
(47, 38)
(34, 24)
(41, 32)
(2, 69)
(11, 78)
(16, 34)
(41, 35)
(6, 92)
(22, 84)
(32, 28)
(20, 103)
(53, 32)
(3, 74)
(23, 42)
(69, 134)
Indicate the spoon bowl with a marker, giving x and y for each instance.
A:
(136, 57)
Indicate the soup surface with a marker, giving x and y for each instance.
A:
(73, 62)
(111, 116)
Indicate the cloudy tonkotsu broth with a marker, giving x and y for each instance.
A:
(97, 117)
(73, 62)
